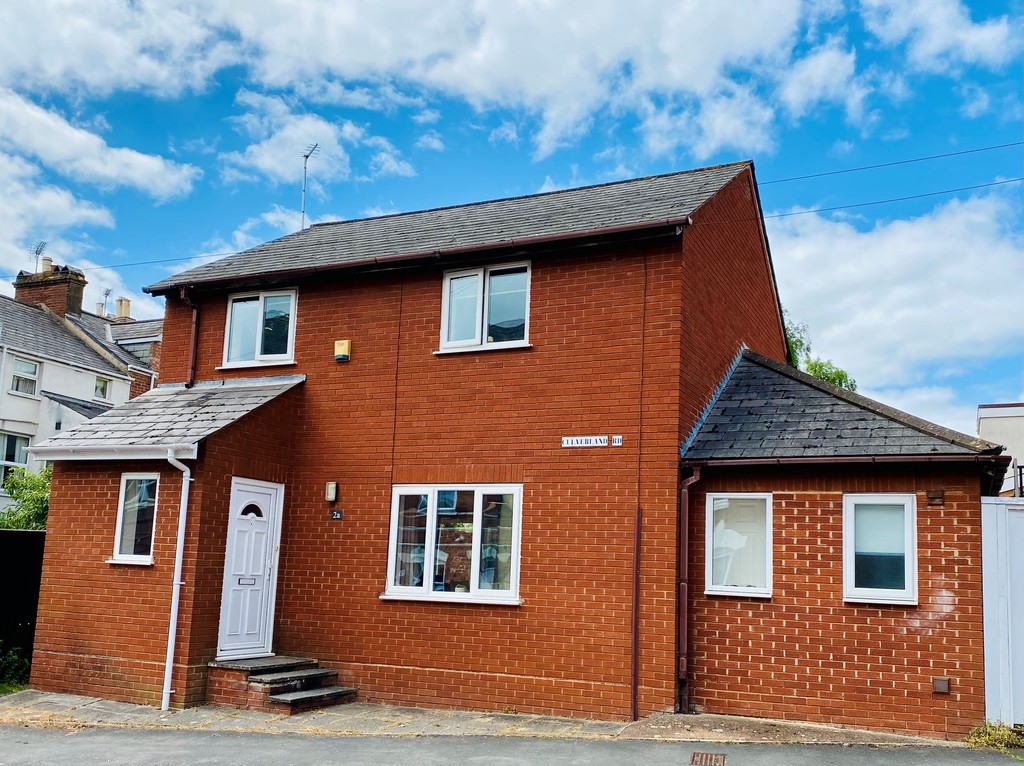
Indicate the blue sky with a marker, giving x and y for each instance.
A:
(137, 138)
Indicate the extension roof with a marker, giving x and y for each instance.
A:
(169, 417)
(34, 331)
(574, 213)
(82, 407)
(768, 411)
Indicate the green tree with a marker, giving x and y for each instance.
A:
(799, 340)
(31, 495)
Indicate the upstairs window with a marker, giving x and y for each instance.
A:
(260, 329)
(739, 545)
(880, 549)
(12, 454)
(133, 539)
(102, 388)
(455, 543)
(26, 376)
(486, 308)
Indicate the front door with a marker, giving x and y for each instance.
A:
(250, 569)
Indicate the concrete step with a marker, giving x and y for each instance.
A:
(263, 665)
(295, 680)
(307, 699)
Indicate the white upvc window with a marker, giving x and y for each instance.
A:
(102, 389)
(260, 329)
(12, 454)
(880, 548)
(738, 556)
(136, 517)
(487, 307)
(455, 542)
(26, 376)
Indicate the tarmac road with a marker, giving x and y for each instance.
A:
(25, 746)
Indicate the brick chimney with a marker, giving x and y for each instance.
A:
(59, 288)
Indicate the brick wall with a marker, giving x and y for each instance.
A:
(807, 655)
(141, 383)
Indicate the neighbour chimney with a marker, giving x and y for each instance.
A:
(59, 288)
(47, 265)
(100, 309)
(124, 310)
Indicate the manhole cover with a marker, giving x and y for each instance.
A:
(707, 759)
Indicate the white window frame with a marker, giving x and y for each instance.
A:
(106, 388)
(709, 531)
(261, 359)
(4, 463)
(127, 558)
(475, 594)
(34, 378)
(908, 595)
(479, 341)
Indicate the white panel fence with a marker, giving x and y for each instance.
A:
(1002, 537)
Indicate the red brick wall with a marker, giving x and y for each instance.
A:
(807, 655)
(141, 383)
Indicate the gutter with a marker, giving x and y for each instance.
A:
(179, 555)
(115, 452)
(673, 223)
(841, 459)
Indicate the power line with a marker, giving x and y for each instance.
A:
(892, 164)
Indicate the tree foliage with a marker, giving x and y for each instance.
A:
(799, 340)
(31, 495)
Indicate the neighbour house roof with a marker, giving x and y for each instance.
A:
(82, 407)
(768, 411)
(102, 331)
(169, 417)
(127, 332)
(573, 213)
(30, 329)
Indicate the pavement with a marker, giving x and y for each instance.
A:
(35, 709)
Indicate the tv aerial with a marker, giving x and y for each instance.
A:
(310, 151)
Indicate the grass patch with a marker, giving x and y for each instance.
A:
(10, 688)
(997, 736)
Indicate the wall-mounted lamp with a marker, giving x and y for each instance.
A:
(342, 350)
(331, 492)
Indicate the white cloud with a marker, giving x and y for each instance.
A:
(937, 404)
(389, 163)
(939, 34)
(975, 101)
(828, 74)
(426, 117)
(431, 141)
(505, 133)
(890, 302)
(84, 156)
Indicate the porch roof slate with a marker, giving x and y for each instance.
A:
(767, 410)
(82, 407)
(586, 211)
(166, 417)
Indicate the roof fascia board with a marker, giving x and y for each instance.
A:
(116, 452)
(818, 460)
(671, 224)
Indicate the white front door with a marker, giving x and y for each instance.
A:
(250, 569)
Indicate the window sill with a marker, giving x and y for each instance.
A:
(23, 395)
(250, 365)
(881, 600)
(453, 598)
(487, 347)
(147, 562)
(738, 592)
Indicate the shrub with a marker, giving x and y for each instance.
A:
(997, 736)
(14, 668)
(31, 495)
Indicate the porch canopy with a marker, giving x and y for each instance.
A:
(169, 419)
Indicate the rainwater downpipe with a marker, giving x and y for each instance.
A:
(179, 555)
(683, 595)
(194, 340)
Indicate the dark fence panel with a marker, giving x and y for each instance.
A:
(21, 569)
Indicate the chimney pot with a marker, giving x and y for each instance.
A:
(99, 309)
(46, 265)
(124, 308)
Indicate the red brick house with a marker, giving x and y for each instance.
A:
(440, 453)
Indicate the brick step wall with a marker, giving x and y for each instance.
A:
(275, 685)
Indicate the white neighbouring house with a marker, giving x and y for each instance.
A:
(1004, 424)
(60, 366)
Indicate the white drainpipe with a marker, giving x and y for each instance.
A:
(179, 554)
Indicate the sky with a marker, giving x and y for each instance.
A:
(141, 137)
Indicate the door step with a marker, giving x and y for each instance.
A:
(275, 685)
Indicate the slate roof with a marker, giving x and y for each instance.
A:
(101, 331)
(620, 206)
(166, 416)
(126, 332)
(767, 410)
(30, 329)
(82, 407)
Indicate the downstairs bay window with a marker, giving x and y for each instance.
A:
(455, 543)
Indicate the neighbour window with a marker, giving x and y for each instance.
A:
(486, 308)
(880, 548)
(102, 388)
(26, 374)
(455, 543)
(13, 454)
(739, 544)
(133, 540)
(260, 328)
